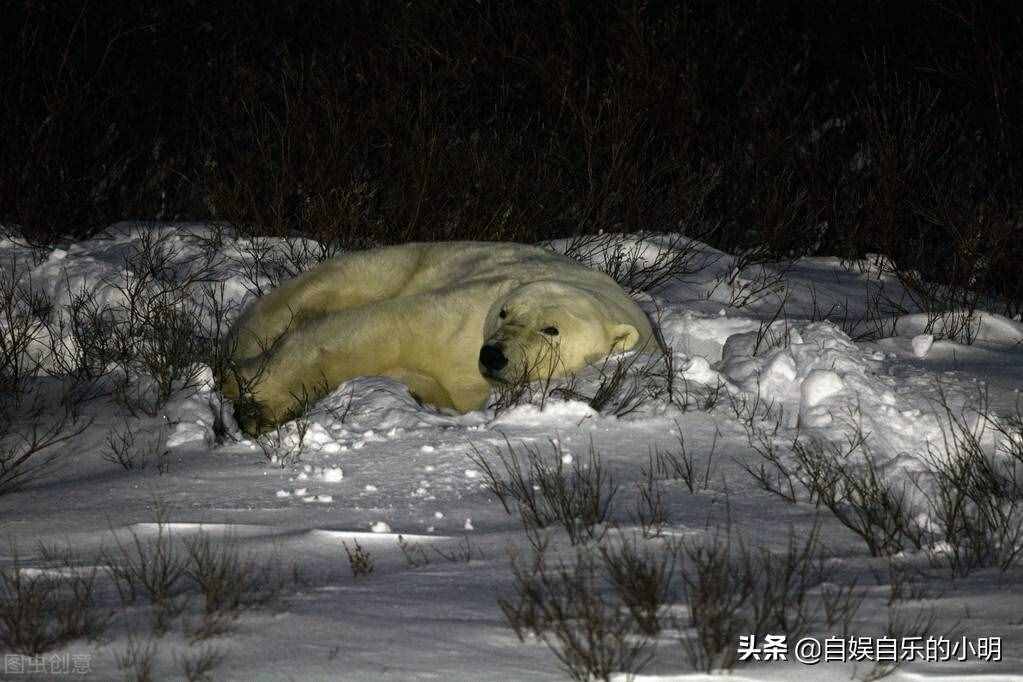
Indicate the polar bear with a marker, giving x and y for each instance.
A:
(447, 319)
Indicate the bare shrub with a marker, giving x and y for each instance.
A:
(847, 481)
(731, 589)
(81, 334)
(547, 489)
(264, 263)
(524, 613)
(138, 660)
(681, 464)
(227, 581)
(918, 623)
(124, 449)
(951, 308)
(753, 408)
(774, 472)
(219, 356)
(977, 497)
(21, 329)
(153, 568)
(77, 611)
(31, 429)
(30, 435)
(626, 383)
(617, 392)
(974, 496)
(905, 582)
(753, 277)
(839, 606)
(415, 555)
(640, 262)
(158, 323)
(359, 559)
(40, 609)
(781, 601)
(717, 588)
(282, 445)
(650, 513)
(859, 495)
(462, 553)
(567, 606)
(199, 666)
(643, 580)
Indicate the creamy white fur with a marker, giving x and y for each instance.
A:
(420, 313)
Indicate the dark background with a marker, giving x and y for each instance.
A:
(822, 127)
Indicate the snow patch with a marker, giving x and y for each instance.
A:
(922, 344)
(555, 412)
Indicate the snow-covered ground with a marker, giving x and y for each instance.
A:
(755, 365)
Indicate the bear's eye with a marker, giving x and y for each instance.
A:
(550, 331)
(503, 314)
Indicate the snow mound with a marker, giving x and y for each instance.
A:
(820, 379)
(99, 266)
(702, 335)
(963, 325)
(698, 369)
(370, 406)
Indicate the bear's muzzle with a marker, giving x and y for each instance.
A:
(492, 359)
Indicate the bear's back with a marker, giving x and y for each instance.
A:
(452, 265)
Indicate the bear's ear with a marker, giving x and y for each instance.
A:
(624, 337)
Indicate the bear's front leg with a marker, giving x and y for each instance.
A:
(315, 358)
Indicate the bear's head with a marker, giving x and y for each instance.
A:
(550, 328)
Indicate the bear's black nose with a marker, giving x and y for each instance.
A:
(492, 358)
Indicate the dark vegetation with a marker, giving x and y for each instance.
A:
(198, 582)
(791, 127)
